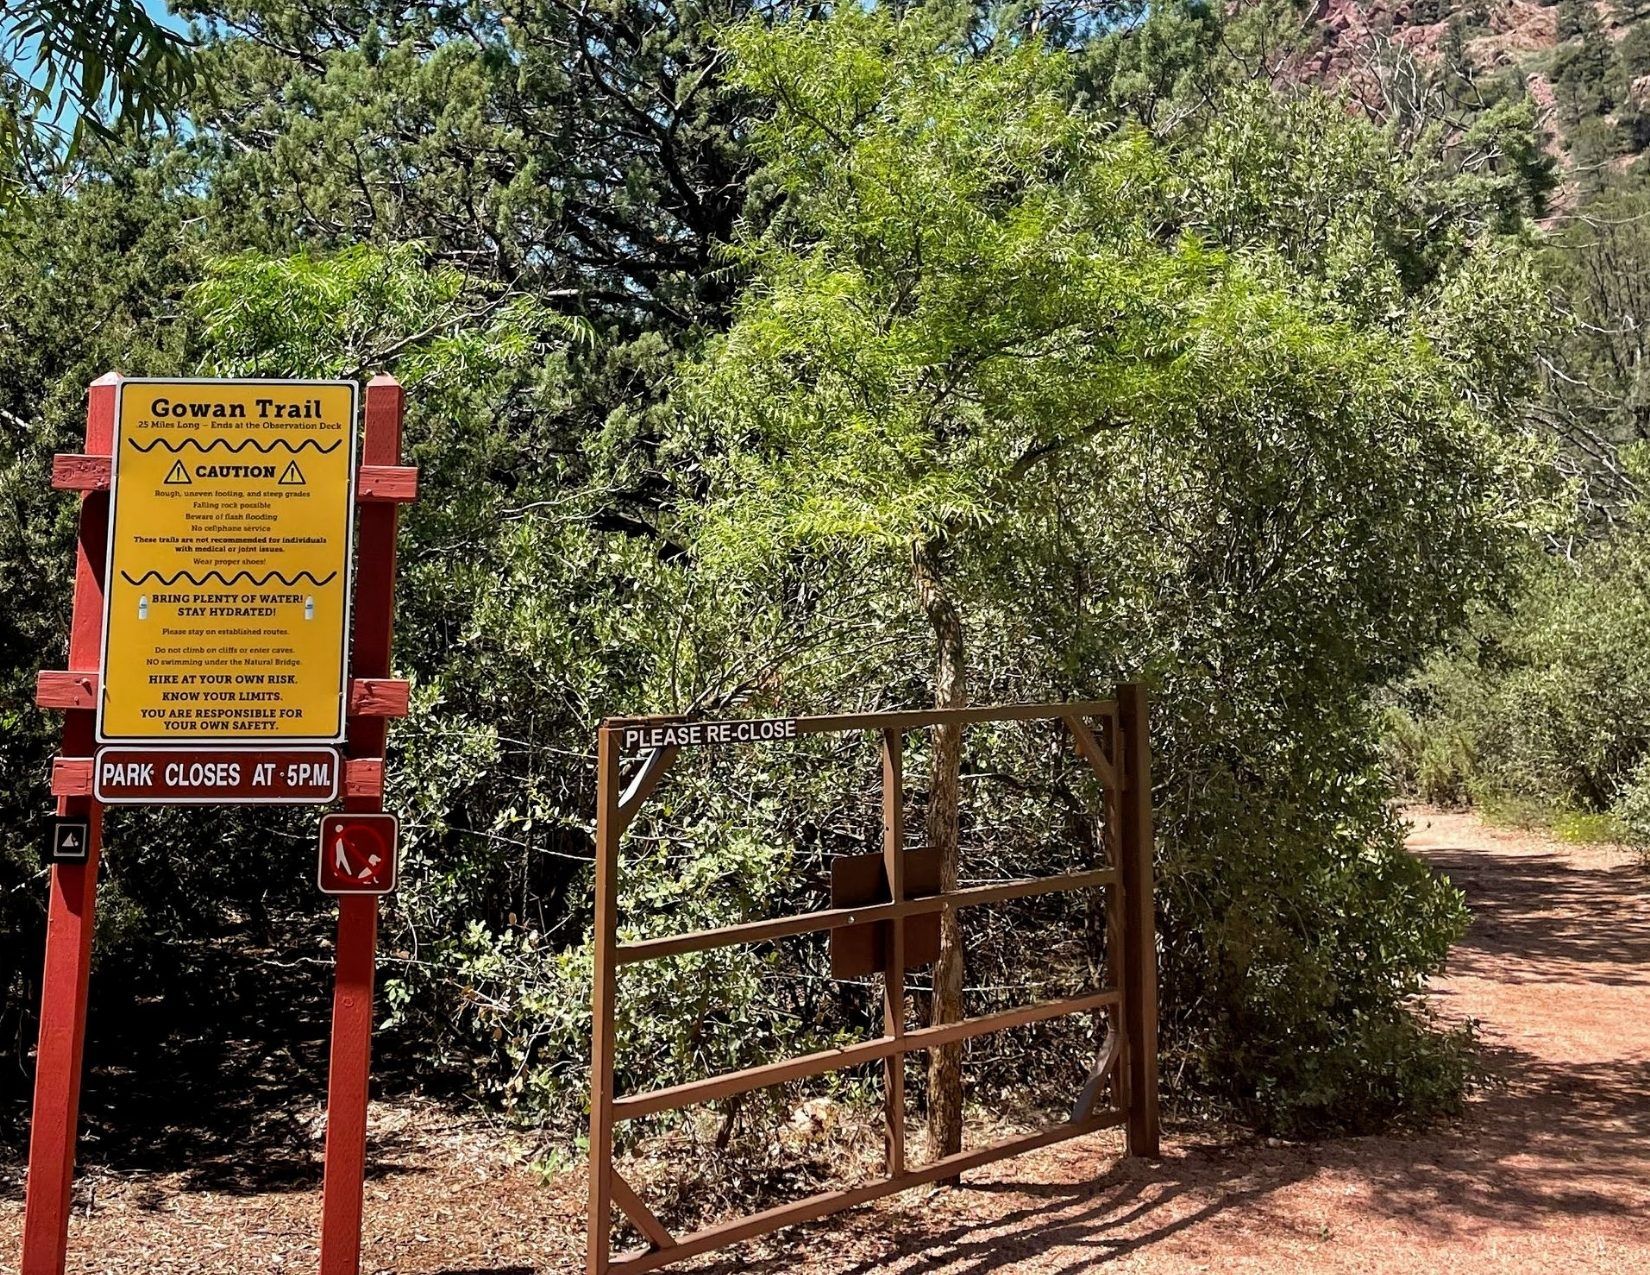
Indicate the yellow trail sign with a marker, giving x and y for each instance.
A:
(226, 597)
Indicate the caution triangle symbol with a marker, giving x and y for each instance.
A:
(177, 476)
(292, 476)
(71, 842)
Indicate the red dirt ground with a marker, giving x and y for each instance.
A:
(1549, 1171)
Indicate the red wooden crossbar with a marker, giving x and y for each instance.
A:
(374, 484)
(368, 696)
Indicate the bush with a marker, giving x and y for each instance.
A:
(1632, 809)
(1434, 764)
(1545, 707)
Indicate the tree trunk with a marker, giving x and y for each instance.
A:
(945, 1115)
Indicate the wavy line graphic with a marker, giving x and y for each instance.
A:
(167, 582)
(263, 449)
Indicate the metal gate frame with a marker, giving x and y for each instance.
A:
(1112, 737)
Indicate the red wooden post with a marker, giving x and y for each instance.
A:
(58, 1060)
(344, 1182)
(351, 1061)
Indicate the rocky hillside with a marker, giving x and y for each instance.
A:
(1585, 65)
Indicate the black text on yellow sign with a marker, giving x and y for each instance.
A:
(227, 591)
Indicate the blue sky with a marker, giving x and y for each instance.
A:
(158, 11)
(155, 8)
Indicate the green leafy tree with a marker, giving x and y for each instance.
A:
(1160, 64)
(1598, 400)
(1096, 394)
(1582, 72)
(1634, 51)
(1573, 18)
(588, 156)
(90, 282)
(75, 69)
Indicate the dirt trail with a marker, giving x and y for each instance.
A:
(1548, 1172)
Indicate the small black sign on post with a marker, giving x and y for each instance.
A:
(69, 839)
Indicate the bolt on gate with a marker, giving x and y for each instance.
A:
(874, 931)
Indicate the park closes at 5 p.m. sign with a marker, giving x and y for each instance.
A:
(227, 586)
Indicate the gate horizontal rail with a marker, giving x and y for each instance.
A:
(910, 719)
(635, 1106)
(1119, 756)
(839, 918)
(813, 1207)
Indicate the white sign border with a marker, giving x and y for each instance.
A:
(174, 750)
(238, 739)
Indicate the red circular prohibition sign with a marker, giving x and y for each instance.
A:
(357, 854)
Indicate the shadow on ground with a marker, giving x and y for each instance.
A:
(1557, 1138)
(1538, 917)
(1129, 1208)
(221, 1084)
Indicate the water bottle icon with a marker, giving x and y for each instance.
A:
(309, 608)
(143, 607)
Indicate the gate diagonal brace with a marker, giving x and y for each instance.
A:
(1110, 1051)
(653, 769)
(624, 1195)
(1092, 753)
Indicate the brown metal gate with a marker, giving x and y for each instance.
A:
(1110, 735)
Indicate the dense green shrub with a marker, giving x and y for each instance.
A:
(1545, 706)
(1219, 466)
(1632, 808)
(1278, 355)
